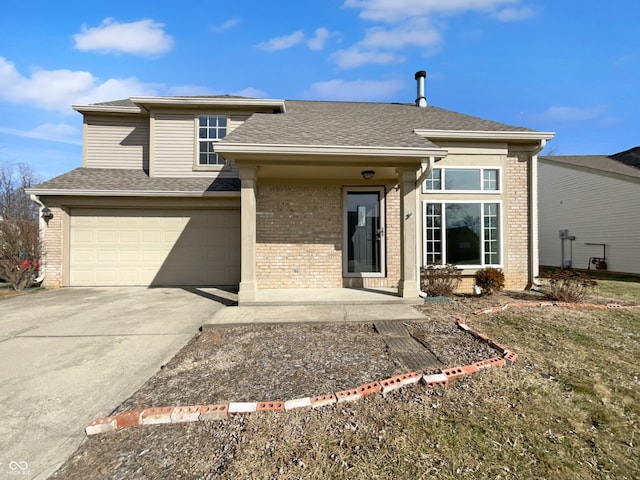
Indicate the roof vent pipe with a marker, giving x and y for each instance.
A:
(421, 101)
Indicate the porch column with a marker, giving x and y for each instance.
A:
(248, 287)
(408, 287)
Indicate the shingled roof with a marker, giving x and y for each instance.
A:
(356, 124)
(599, 163)
(116, 181)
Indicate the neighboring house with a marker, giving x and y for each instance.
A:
(224, 190)
(589, 211)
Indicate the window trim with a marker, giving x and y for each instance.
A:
(482, 191)
(197, 166)
(443, 240)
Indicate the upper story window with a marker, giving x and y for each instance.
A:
(211, 129)
(454, 179)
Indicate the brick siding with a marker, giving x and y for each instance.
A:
(299, 237)
(516, 221)
(52, 244)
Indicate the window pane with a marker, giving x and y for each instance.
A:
(433, 181)
(222, 132)
(433, 245)
(490, 180)
(202, 132)
(462, 179)
(492, 234)
(463, 233)
(203, 120)
(222, 121)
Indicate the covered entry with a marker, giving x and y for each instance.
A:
(154, 247)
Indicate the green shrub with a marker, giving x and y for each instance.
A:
(565, 285)
(489, 280)
(440, 280)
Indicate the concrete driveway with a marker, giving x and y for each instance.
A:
(68, 356)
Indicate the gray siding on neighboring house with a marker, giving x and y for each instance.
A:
(593, 207)
(175, 145)
(116, 142)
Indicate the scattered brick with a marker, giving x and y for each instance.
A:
(613, 305)
(348, 396)
(101, 425)
(369, 388)
(469, 369)
(323, 400)
(214, 412)
(498, 346)
(156, 415)
(297, 403)
(491, 362)
(510, 358)
(410, 377)
(436, 380)
(454, 372)
(130, 418)
(189, 413)
(242, 408)
(270, 407)
(389, 384)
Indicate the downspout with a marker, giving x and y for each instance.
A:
(41, 228)
(425, 167)
(534, 263)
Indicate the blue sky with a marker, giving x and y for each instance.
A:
(571, 67)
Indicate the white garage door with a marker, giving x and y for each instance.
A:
(110, 247)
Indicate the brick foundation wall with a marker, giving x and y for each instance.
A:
(516, 221)
(299, 237)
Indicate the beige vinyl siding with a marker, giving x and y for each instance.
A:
(595, 209)
(175, 145)
(116, 142)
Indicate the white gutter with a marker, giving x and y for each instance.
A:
(426, 167)
(132, 193)
(41, 233)
(344, 150)
(485, 134)
(534, 261)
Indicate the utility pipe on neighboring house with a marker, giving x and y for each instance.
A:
(425, 168)
(41, 229)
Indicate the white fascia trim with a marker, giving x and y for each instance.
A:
(105, 109)
(129, 193)
(363, 151)
(206, 101)
(484, 135)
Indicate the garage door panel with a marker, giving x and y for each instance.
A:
(154, 247)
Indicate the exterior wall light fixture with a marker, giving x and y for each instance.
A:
(368, 174)
(46, 215)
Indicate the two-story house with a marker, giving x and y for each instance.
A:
(262, 193)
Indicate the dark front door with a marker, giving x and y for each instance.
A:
(364, 236)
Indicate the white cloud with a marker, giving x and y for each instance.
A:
(397, 10)
(358, 90)
(59, 89)
(570, 114)
(318, 41)
(144, 37)
(514, 14)
(415, 23)
(284, 42)
(251, 92)
(223, 27)
(355, 57)
(61, 132)
(415, 33)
